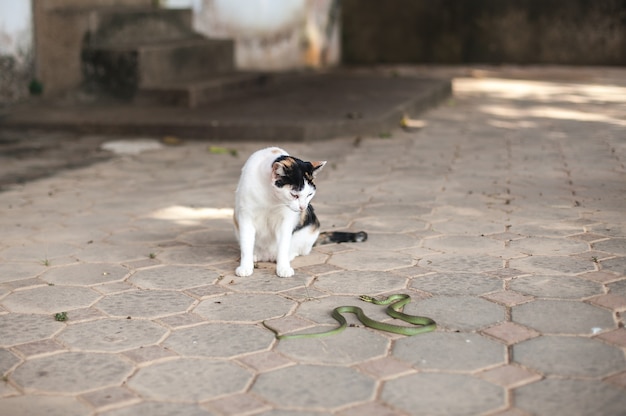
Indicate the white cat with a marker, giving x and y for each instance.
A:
(274, 220)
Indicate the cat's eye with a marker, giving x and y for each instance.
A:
(295, 196)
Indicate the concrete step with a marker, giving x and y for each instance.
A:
(123, 69)
(156, 53)
(291, 108)
(196, 93)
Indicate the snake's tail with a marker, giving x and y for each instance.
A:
(333, 331)
(329, 237)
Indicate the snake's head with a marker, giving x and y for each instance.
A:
(366, 298)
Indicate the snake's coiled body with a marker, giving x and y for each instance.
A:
(396, 303)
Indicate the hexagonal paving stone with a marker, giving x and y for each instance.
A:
(16, 328)
(159, 409)
(351, 346)
(219, 340)
(462, 263)
(19, 271)
(243, 403)
(562, 317)
(443, 394)
(457, 283)
(173, 277)
(618, 288)
(617, 265)
(570, 397)
(394, 210)
(360, 282)
(200, 255)
(50, 299)
(546, 229)
(141, 235)
(569, 356)
(145, 303)
(610, 230)
(209, 237)
(7, 360)
(392, 224)
(111, 335)
(463, 244)
(312, 386)
(38, 252)
(85, 274)
(553, 264)
(369, 260)
(383, 241)
(564, 287)
(614, 245)
(465, 313)
(44, 405)
(113, 253)
(244, 307)
(548, 246)
(109, 396)
(189, 380)
(7, 390)
(346, 194)
(266, 281)
(450, 351)
(472, 226)
(71, 372)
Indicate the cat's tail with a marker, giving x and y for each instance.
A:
(329, 237)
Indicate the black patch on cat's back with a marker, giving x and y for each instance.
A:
(308, 218)
(295, 172)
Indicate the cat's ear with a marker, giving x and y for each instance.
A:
(278, 172)
(317, 166)
(278, 169)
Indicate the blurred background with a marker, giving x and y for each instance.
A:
(43, 43)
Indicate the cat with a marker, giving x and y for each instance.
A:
(274, 220)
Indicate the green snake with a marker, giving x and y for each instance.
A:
(396, 303)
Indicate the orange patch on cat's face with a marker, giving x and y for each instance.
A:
(288, 162)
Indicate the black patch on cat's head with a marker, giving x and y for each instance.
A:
(289, 170)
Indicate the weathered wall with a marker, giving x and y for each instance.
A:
(484, 31)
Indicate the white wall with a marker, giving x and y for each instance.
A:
(16, 28)
(269, 34)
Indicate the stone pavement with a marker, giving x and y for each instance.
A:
(504, 217)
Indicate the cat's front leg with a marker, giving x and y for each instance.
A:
(246, 244)
(283, 258)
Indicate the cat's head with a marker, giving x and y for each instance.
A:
(293, 181)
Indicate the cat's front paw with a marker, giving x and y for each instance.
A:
(284, 271)
(243, 271)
